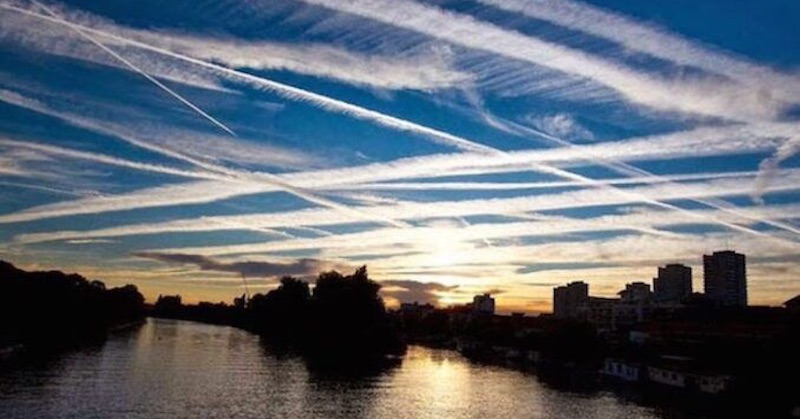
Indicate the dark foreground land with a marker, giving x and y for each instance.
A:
(49, 310)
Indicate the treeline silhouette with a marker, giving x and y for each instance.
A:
(343, 318)
(53, 308)
(172, 307)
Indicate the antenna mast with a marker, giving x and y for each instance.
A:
(246, 288)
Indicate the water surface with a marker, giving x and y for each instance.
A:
(176, 369)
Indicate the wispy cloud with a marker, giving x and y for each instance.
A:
(568, 59)
(464, 240)
(694, 95)
(423, 70)
(135, 68)
(191, 193)
(701, 142)
(509, 206)
(655, 41)
(415, 291)
(126, 122)
(562, 125)
(301, 267)
(231, 175)
(25, 32)
(768, 169)
(428, 70)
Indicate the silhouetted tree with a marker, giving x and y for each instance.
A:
(343, 318)
(282, 313)
(349, 318)
(170, 306)
(53, 307)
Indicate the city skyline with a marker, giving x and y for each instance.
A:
(456, 148)
(724, 290)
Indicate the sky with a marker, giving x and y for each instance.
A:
(454, 147)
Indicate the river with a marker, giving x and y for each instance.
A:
(177, 369)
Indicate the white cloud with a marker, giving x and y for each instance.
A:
(426, 70)
(218, 186)
(768, 168)
(655, 41)
(561, 125)
(28, 32)
(698, 95)
(459, 25)
(231, 175)
(458, 236)
(445, 209)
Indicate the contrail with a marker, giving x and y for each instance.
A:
(42, 188)
(494, 186)
(109, 160)
(328, 103)
(284, 90)
(318, 231)
(637, 86)
(266, 230)
(466, 223)
(371, 11)
(651, 40)
(135, 68)
(627, 169)
(222, 173)
(210, 172)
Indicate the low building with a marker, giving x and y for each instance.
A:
(667, 376)
(713, 383)
(622, 370)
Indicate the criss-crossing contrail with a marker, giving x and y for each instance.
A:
(135, 68)
(636, 85)
(652, 40)
(332, 104)
(230, 175)
(627, 169)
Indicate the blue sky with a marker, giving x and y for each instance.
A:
(454, 147)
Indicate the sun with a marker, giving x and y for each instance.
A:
(447, 250)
